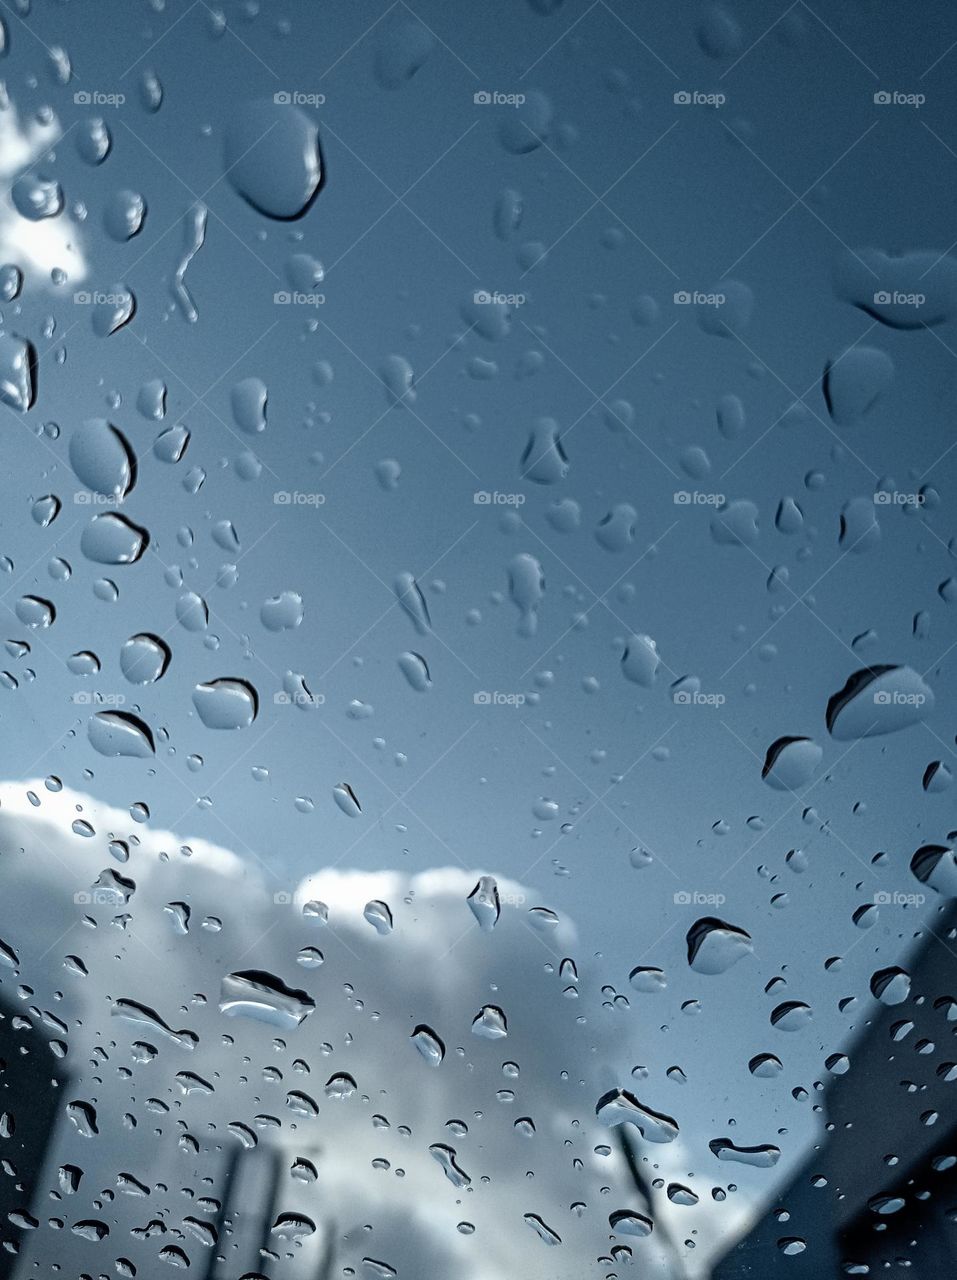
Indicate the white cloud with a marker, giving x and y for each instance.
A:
(35, 247)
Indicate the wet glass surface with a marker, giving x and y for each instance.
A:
(479, 570)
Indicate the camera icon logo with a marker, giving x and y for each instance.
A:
(482, 699)
(682, 698)
(282, 298)
(882, 299)
(682, 898)
(682, 98)
(482, 98)
(482, 498)
(282, 98)
(882, 698)
(82, 98)
(82, 899)
(682, 498)
(282, 898)
(82, 298)
(882, 898)
(282, 498)
(482, 298)
(882, 97)
(682, 297)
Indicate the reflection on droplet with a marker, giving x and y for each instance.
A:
(618, 1106)
(265, 998)
(18, 362)
(226, 703)
(144, 658)
(490, 1023)
(346, 799)
(119, 733)
(878, 700)
(272, 158)
(428, 1044)
(763, 1157)
(485, 903)
(102, 458)
(111, 538)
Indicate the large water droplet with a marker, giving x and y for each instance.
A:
(272, 158)
(119, 733)
(111, 538)
(102, 458)
(226, 703)
(264, 997)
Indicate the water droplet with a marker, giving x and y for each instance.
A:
(490, 1023)
(265, 998)
(272, 158)
(144, 658)
(379, 915)
(226, 703)
(416, 671)
(36, 198)
(854, 381)
(446, 1156)
(194, 237)
(111, 538)
(790, 763)
(526, 588)
(124, 215)
(413, 602)
(890, 986)
(93, 140)
(102, 458)
(428, 1044)
(282, 612)
(628, 1222)
(485, 904)
(119, 733)
(18, 364)
(618, 1106)
(878, 700)
(763, 1157)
